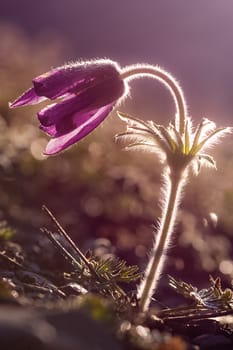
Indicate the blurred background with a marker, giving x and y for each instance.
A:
(95, 189)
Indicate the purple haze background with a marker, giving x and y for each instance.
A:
(192, 39)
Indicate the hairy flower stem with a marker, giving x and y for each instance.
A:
(132, 72)
(175, 183)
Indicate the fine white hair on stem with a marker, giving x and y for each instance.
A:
(215, 138)
(142, 70)
(171, 195)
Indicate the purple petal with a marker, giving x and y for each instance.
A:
(58, 82)
(101, 94)
(29, 97)
(60, 143)
(49, 130)
(53, 113)
(68, 123)
(74, 78)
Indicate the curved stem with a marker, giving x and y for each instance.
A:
(153, 270)
(132, 72)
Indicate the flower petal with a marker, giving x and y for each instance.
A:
(74, 78)
(53, 113)
(58, 144)
(99, 95)
(29, 97)
(49, 130)
(68, 123)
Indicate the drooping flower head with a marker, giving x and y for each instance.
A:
(87, 93)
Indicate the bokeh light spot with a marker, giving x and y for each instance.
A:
(37, 147)
(226, 267)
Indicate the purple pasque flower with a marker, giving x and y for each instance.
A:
(87, 93)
